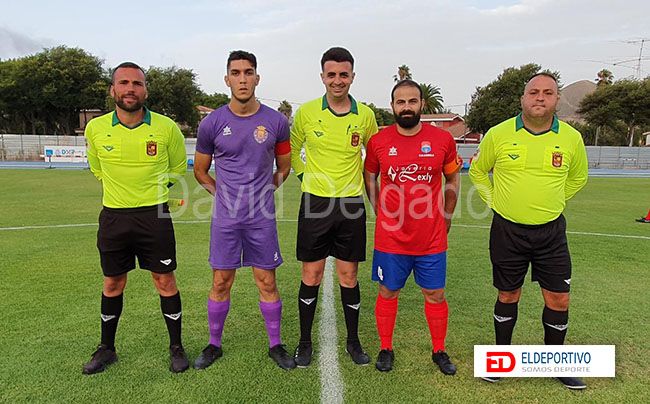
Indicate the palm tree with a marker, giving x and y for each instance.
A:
(605, 77)
(432, 99)
(285, 109)
(403, 73)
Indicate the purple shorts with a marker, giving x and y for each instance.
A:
(253, 247)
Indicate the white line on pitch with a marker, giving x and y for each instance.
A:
(472, 226)
(328, 359)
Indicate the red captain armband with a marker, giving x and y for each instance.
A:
(282, 148)
(453, 166)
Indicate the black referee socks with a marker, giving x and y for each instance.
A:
(505, 318)
(171, 309)
(351, 300)
(111, 309)
(555, 326)
(307, 299)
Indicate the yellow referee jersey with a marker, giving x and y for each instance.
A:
(533, 175)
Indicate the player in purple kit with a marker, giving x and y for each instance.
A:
(243, 137)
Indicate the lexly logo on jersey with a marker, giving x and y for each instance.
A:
(408, 173)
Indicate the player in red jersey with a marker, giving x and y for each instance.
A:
(413, 217)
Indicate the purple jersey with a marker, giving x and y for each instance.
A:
(244, 152)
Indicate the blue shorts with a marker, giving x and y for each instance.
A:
(392, 270)
(235, 248)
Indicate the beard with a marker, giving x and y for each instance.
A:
(129, 108)
(407, 120)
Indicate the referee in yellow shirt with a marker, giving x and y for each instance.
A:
(538, 163)
(332, 217)
(136, 154)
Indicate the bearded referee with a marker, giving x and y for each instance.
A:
(136, 154)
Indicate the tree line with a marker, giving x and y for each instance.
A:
(617, 113)
(44, 93)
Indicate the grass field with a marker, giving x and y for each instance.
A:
(51, 283)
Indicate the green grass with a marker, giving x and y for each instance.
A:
(51, 283)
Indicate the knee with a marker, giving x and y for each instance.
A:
(348, 278)
(114, 286)
(509, 296)
(267, 287)
(434, 296)
(559, 302)
(166, 284)
(312, 278)
(388, 294)
(220, 290)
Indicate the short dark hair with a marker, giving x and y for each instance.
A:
(336, 54)
(405, 83)
(127, 65)
(545, 74)
(241, 55)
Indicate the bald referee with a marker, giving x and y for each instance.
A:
(538, 164)
(136, 154)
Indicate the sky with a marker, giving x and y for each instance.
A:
(455, 45)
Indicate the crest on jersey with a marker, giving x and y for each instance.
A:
(152, 148)
(260, 134)
(557, 159)
(425, 147)
(354, 141)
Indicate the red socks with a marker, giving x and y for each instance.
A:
(648, 216)
(437, 315)
(385, 315)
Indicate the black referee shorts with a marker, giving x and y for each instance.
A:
(331, 226)
(125, 234)
(514, 246)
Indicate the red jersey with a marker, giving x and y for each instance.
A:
(410, 207)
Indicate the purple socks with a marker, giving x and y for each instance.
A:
(272, 313)
(217, 312)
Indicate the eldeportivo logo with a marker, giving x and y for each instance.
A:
(107, 317)
(500, 362)
(173, 316)
(167, 261)
(544, 360)
(308, 301)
